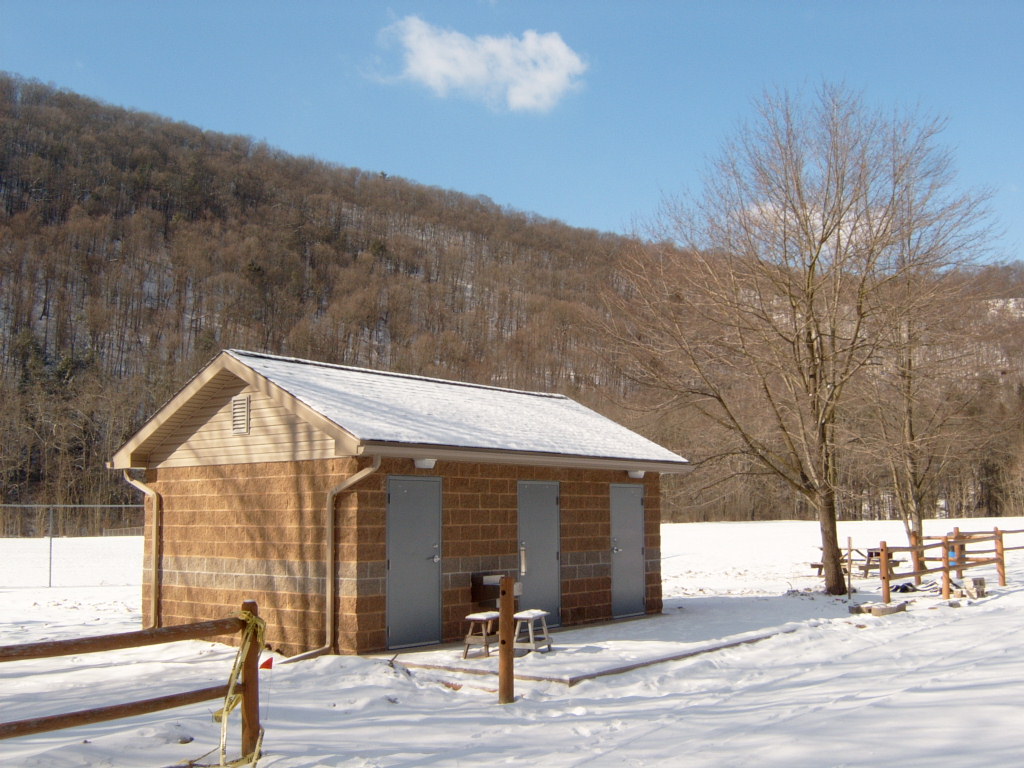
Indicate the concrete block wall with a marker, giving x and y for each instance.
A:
(255, 531)
(480, 534)
(652, 543)
(234, 532)
(586, 546)
(362, 555)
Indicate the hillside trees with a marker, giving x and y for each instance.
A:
(774, 291)
(921, 413)
(133, 248)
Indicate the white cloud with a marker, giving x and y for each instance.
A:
(531, 73)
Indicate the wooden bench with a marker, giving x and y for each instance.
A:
(483, 630)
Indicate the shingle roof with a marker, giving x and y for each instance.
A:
(388, 408)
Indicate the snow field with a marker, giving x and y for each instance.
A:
(936, 685)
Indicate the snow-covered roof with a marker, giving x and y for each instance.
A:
(382, 408)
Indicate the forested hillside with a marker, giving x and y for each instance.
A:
(133, 248)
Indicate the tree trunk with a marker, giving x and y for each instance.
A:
(831, 557)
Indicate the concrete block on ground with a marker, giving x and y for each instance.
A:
(886, 609)
(975, 587)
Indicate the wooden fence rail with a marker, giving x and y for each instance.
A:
(247, 687)
(958, 552)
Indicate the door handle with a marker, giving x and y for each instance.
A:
(522, 559)
(435, 558)
(616, 549)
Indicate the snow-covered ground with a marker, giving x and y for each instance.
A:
(936, 685)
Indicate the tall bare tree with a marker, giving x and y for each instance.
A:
(770, 292)
(925, 410)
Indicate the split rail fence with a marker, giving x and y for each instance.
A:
(955, 552)
(242, 687)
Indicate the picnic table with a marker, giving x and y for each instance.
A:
(865, 560)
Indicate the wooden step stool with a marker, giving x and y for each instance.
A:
(482, 631)
(527, 620)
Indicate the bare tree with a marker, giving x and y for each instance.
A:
(770, 292)
(922, 413)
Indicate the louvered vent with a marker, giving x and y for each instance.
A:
(240, 415)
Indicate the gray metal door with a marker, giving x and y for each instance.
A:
(539, 544)
(414, 561)
(628, 572)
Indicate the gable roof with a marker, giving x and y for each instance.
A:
(391, 414)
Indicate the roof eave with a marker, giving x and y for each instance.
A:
(527, 458)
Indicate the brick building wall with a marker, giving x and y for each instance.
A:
(255, 531)
(480, 535)
(234, 532)
(652, 544)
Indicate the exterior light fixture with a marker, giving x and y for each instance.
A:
(424, 463)
(636, 474)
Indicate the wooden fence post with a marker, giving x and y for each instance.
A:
(250, 686)
(960, 550)
(883, 571)
(1000, 557)
(506, 640)
(849, 567)
(945, 568)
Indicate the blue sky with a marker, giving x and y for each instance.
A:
(587, 111)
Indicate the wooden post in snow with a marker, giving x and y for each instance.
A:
(506, 640)
(945, 568)
(883, 571)
(849, 567)
(961, 552)
(250, 687)
(1000, 557)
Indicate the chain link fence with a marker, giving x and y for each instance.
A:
(70, 544)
